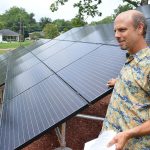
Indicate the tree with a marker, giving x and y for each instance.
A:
(18, 20)
(62, 25)
(108, 19)
(137, 3)
(77, 22)
(50, 31)
(90, 7)
(122, 8)
(2, 23)
(44, 21)
(36, 35)
(85, 7)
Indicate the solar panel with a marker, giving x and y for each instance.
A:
(15, 54)
(54, 49)
(36, 110)
(19, 52)
(101, 33)
(37, 44)
(18, 68)
(68, 33)
(25, 80)
(148, 31)
(3, 56)
(44, 47)
(3, 67)
(145, 9)
(69, 55)
(89, 75)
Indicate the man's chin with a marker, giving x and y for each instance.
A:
(123, 48)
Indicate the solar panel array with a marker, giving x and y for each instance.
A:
(48, 83)
(16, 54)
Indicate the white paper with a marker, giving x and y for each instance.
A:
(101, 142)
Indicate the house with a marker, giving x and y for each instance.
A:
(8, 35)
(36, 35)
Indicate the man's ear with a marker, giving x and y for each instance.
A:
(141, 28)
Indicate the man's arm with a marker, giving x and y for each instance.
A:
(121, 138)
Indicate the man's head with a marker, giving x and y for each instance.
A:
(130, 29)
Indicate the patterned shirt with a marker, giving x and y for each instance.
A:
(130, 102)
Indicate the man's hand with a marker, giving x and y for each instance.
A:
(119, 140)
(111, 82)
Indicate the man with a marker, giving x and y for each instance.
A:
(129, 110)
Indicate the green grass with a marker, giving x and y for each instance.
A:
(14, 45)
(2, 51)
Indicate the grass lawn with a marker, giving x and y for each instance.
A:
(2, 51)
(14, 45)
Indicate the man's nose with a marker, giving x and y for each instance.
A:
(117, 34)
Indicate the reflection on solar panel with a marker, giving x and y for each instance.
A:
(3, 67)
(101, 34)
(17, 53)
(47, 84)
(69, 55)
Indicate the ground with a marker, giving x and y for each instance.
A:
(78, 130)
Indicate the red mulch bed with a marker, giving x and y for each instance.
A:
(78, 130)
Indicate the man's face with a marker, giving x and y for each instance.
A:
(125, 33)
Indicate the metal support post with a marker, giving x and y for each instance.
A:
(61, 137)
(90, 117)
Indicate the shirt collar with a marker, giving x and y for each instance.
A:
(138, 56)
(142, 54)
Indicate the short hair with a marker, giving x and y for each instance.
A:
(139, 18)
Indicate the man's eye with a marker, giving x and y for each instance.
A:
(122, 30)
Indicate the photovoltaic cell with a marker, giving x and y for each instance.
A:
(89, 75)
(36, 110)
(3, 70)
(25, 80)
(44, 47)
(3, 67)
(101, 33)
(148, 31)
(68, 33)
(54, 49)
(21, 67)
(21, 59)
(69, 55)
(145, 10)
(37, 44)
(15, 54)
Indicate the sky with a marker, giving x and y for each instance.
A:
(41, 8)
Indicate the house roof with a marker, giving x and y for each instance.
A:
(7, 32)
